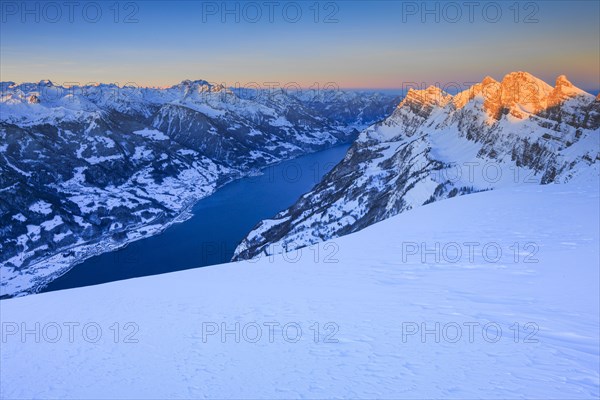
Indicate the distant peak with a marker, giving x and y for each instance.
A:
(190, 83)
(46, 82)
(193, 88)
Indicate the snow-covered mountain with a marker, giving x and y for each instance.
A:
(434, 146)
(87, 168)
(361, 316)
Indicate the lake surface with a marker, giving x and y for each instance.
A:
(219, 223)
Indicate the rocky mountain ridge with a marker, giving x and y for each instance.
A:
(434, 146)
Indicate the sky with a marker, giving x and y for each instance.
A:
(346, 44)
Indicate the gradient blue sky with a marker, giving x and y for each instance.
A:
(369, 47)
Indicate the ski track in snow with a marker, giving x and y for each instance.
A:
(369, 293)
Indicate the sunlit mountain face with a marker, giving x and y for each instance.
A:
(281, 200)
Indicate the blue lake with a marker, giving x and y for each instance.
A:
(219, 223)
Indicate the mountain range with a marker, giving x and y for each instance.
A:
(435, 146)
(85, 169)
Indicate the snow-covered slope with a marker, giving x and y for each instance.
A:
(86, 169)
(435, 146)
(370, 294)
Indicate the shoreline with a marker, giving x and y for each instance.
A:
(85, 251)
(60, 265)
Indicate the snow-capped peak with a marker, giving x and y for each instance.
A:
(417, 106)
(199, 86)
(519, 92)
(200, 91)
(429, 97)
(564, 90)
(486, 89)
(562, 80)
(488, 80)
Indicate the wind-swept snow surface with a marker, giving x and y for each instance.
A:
(491, 295)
